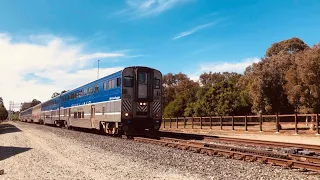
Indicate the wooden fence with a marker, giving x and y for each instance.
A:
(268, 123)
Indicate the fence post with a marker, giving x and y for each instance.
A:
(170, 123)
(185, 122)
(221, 122)
(164, 123)
(192, 123)
(261, 122)
(210, 122)
(295, 124)
(200, 122)
(317, 124)
(232, 118)
(245, 123)
(277, 123)
(177, 122)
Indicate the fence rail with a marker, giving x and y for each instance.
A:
(283, 122)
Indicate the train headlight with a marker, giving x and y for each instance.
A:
(126, 114)
(144, 103)
(141, 104)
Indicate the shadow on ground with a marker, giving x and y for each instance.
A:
(8, 128)
(8, 151)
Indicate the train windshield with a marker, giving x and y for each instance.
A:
(142, 79)
(128, 81)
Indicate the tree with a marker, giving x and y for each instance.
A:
(288, 46)
(179, 90)
(25, 105)
(220, 96)
(55, 94)
(303, 81)
(3, 110)
(34, 102)
(266, 79)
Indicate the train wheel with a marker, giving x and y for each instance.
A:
(102, 127)
(128, 136)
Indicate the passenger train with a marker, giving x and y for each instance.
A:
(126, 102)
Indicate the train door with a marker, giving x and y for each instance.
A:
(93, 115)
(51, 117)
(69, 117)
(144, 93)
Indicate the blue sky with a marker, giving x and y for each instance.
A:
(189, 36)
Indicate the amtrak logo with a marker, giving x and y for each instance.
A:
(114, 98)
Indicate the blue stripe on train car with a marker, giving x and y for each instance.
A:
(102, 95)
(52, 104)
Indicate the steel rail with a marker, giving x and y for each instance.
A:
(194, 147)
(314, 148)
(290, 156)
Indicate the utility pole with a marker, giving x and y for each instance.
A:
(9, 115)
(12, 108)
(98, 69)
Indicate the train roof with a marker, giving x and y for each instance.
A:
(95, 81)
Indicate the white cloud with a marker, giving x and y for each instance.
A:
(150, 7)
(55, 64)
(193, 30)
(196, 29)
(237, 67)
(100, 55)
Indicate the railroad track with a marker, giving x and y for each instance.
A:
(288, 161)
(273, 144)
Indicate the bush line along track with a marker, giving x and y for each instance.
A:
(298, 162)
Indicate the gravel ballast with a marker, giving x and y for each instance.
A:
(42, 152)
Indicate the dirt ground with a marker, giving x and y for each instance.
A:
(28, 153)
(31, 151)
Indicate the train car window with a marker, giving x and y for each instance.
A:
(84, 92)
(75, 114)
(90, 90)
(96, 88)
(128, 81)
(113, 83)
(142, 78)
(109, 84)
(79, 114)
(80, 93)
(82, 114)
(104, 85)
(103, 109)
(118, 81)
(156, 83)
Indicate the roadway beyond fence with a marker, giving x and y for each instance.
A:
(290, 123)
